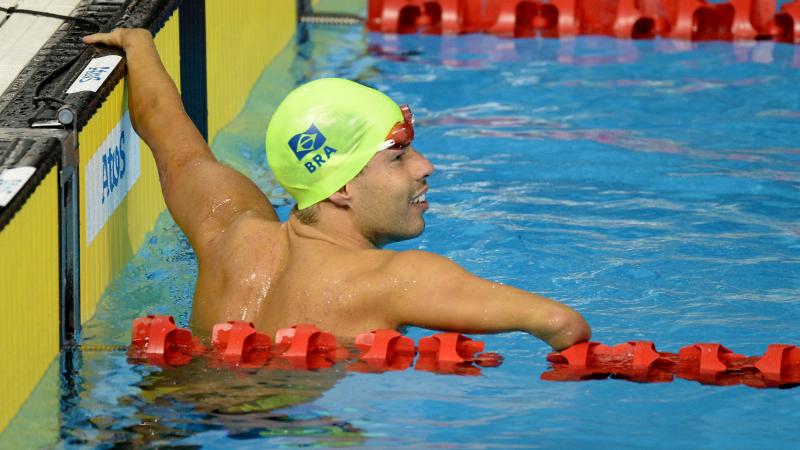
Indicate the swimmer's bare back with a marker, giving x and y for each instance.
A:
(252, 267)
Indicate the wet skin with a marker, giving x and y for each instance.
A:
(334, 273)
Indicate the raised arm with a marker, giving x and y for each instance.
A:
(203, 196)
(434, 292)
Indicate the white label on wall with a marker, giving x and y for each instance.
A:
(94, 74)
(110, 174)
(11, 181)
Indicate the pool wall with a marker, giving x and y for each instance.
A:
(118, 203)
(29, 268)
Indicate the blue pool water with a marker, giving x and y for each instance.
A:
(654, 186)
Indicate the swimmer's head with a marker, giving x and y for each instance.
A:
(325, 132)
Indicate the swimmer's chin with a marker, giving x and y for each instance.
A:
(385, 240)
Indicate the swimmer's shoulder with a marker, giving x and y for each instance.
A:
(421, 269)
(402, 265)
(250, 229)
(393, 280)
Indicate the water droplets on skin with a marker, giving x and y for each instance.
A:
(217, 205)
(265, 288)
(249, 279)
(259, 285)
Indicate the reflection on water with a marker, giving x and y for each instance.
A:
(476, 51)
(196, 405)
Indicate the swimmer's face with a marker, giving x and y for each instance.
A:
(389, 195)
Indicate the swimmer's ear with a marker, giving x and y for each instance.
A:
(341, 198)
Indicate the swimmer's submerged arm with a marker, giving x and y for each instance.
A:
(203, 195)
(436, 293)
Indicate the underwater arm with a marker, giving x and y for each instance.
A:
(203, 196)
(436, 293)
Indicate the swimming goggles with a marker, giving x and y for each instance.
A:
(402, 133)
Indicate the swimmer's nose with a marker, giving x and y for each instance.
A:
(426, 167)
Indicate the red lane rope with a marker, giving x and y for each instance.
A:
(627, 19)
(706, 363)
(157, 340)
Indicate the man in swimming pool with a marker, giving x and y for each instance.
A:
(344, 153)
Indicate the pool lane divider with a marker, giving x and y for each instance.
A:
(706, 363)
(626, 19)
(158, 341)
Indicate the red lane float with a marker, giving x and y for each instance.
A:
(636, 19)
(788, 23)
(383, 350)
(706, 363)
(453, 353)
(238, 343)
(305, 346)
(158, 341)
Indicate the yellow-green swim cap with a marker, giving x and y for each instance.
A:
(323, 133)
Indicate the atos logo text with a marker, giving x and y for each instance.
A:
(113, 167)
(311, 141)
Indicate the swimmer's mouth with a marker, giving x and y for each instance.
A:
(418, 199)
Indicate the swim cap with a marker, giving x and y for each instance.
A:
(323, 134)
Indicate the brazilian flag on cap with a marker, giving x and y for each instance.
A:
(323, 134)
